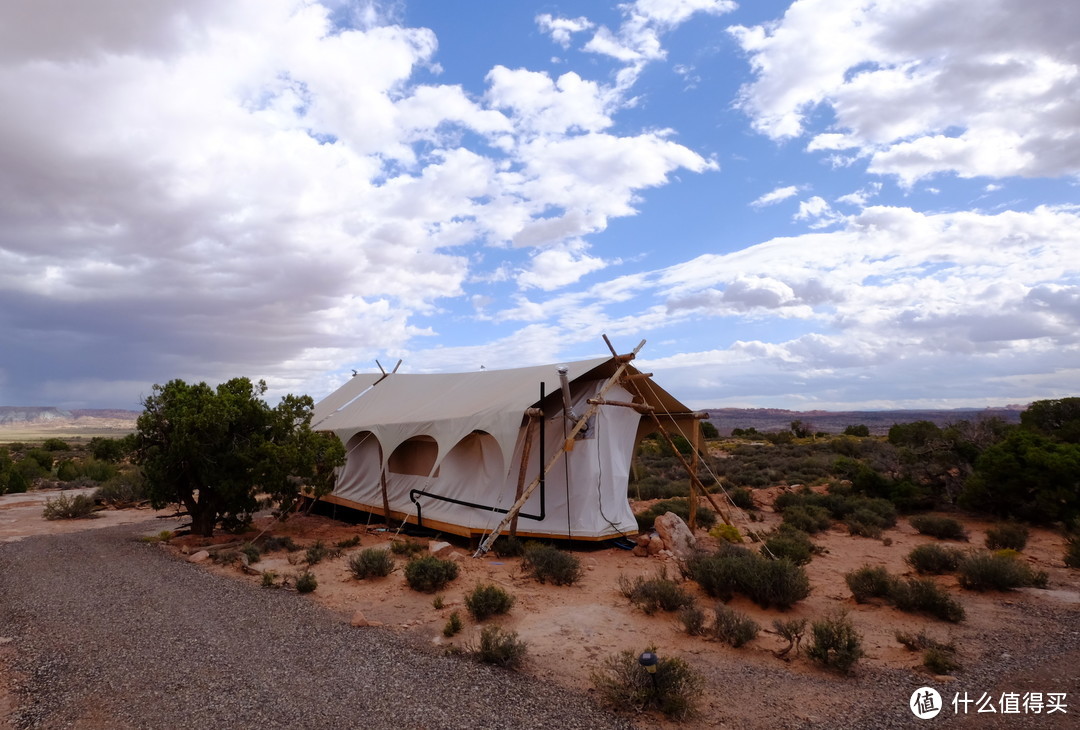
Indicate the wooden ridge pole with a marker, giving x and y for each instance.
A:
(624, 362)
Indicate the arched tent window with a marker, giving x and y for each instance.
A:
(415, 457)
(475, 459)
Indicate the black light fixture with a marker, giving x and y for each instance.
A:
(649, 661)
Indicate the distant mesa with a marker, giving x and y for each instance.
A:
(48, 414)
(878, 422)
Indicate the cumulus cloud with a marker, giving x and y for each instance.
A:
(894, 284)
(555, 268)
(562, 29)
(776, 195)
(637, 40)
(223, 193)
(924, 88)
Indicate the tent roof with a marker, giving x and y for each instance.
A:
(449, 406)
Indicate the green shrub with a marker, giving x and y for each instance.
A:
(17, 482)
(673, 690)
(943, 528)
(453, 625)
(809, 518)
(107, 449)
(68, 508)
(67, 471)
(500, 647)
(488, 600)
(251, 552)
(269, 579)
(692, 619)
(373, 562)
(506, 546)
(733, 627)
(864, 523)
(934, 559)
(55, 444)
(1007, 536)
(428, 573)
(789, 543)
(720, 576)
(43, 458)
(778, 583)
(834, 643)
(655, 594)
(869, 582)
(122, 489)
(318, 552)
(99, 471)
(742, 498)
(983, 571)
(407, 548)
(923, 595)
(547, 563)
(306, 582)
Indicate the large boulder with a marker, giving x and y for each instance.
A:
(676, 535)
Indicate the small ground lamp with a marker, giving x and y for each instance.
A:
(649, 661)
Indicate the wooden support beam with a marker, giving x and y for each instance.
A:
(567, 445)
(609, 346)
(637, 376)
(526, 450)
(639, 407)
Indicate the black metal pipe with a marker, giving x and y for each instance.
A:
(415, 493)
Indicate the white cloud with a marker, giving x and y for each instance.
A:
(861, 196)
(561, 29)
(776, 195)
(817, 212)
(636, 42)
(924, 88)
(555, 268)
(223, 193)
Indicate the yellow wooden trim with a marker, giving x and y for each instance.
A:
(469, 532)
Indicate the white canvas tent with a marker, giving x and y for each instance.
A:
(445, 450)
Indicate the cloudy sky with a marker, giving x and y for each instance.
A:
(810, 204)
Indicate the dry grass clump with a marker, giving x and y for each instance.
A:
(655, 594)
(835, 643)
(371, 563)
(487, 600)
(674, 689)
(68, 508)
(548, 564)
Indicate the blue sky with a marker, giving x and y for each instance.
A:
(818, 204)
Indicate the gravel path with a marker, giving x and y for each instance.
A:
(109, 632)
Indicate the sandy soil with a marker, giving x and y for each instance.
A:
(571, 629)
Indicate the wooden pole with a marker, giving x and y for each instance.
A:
(695, 443)
(624, 362)
(693, 477)
(526, 451)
